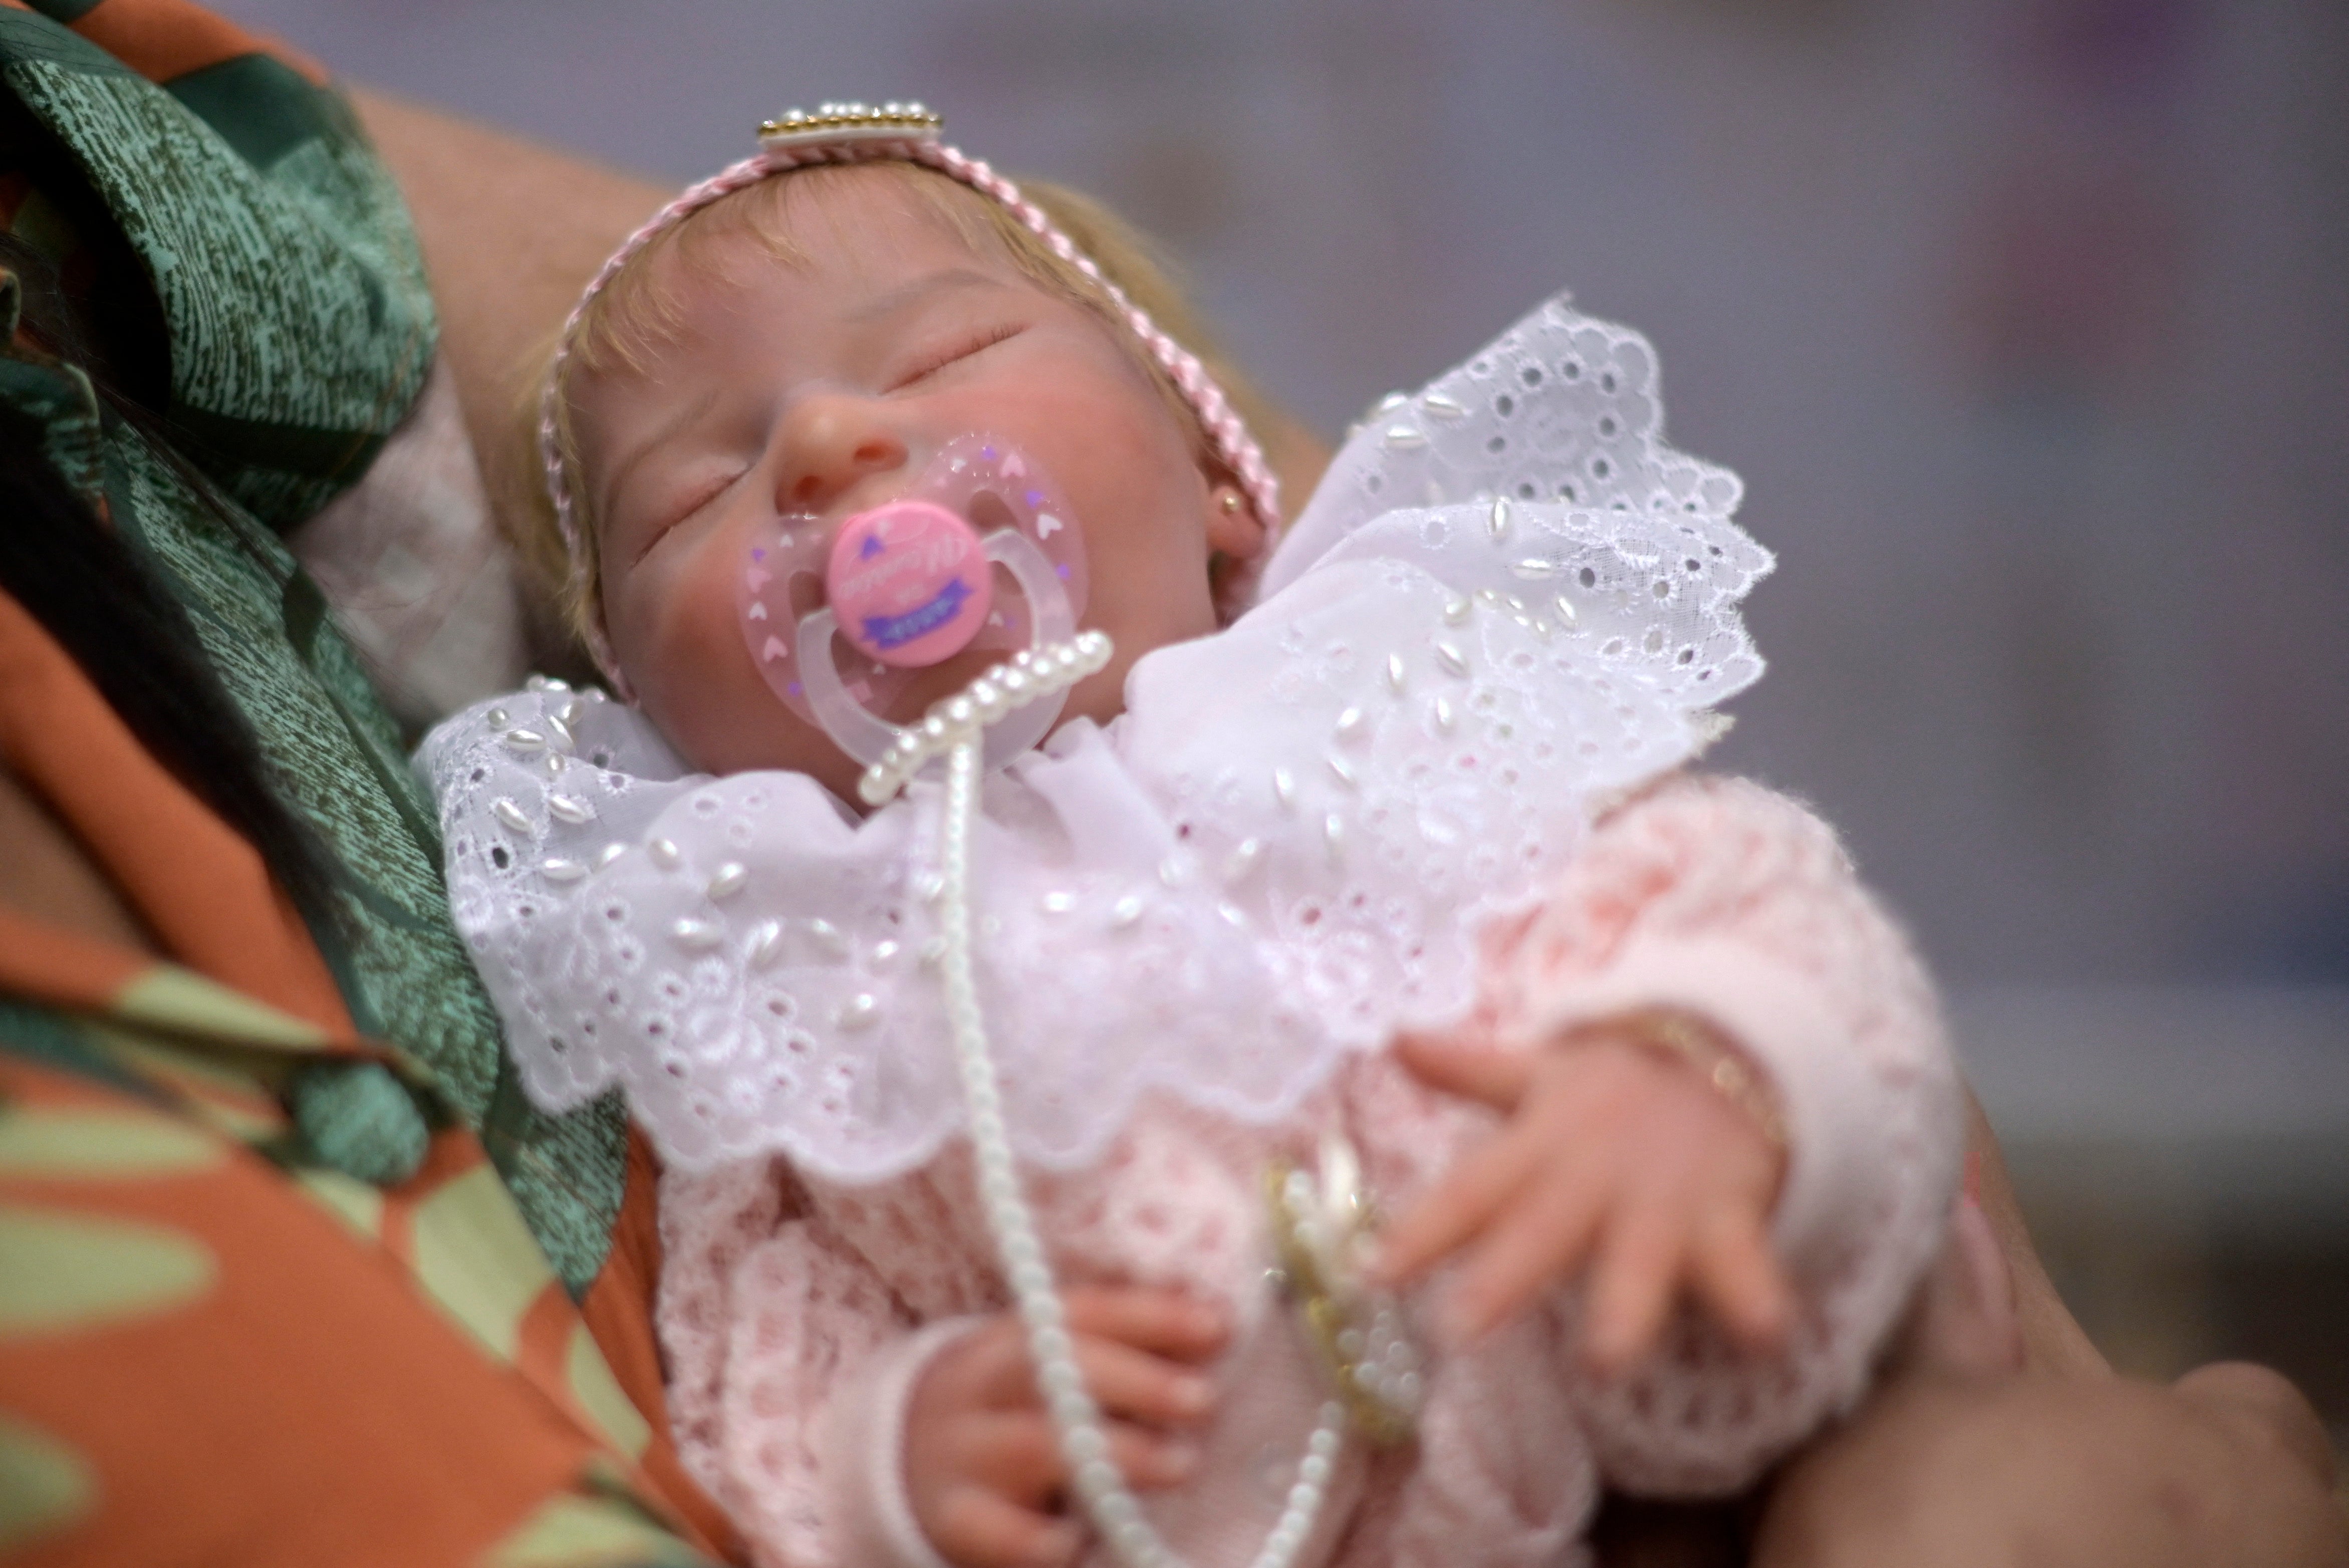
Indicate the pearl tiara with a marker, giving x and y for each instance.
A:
(852, 122)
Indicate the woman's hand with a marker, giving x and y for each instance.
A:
(983, 1465)
(1617, 1157)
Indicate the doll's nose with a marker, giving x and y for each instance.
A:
(829, 445)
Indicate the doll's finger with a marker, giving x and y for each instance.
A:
(1739, 1279)
(1141, 1387)
(1462, 1204)
(1167, 1323)
(1016, 1455)
(1121, 1379)
(990, 1369)
(1151, 1460)
(991, 1365)
(1632, 1287)
(973, 1527)
(985, 1368)
(1539, 1239)
(1496, 1078)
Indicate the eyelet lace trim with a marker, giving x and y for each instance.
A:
(1281, 854)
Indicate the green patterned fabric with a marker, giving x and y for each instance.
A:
(300, 328)
(172, 1310)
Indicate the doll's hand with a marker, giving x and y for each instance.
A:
(983, 1467)
(1616, 1156)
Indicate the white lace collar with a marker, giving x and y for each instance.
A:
(1279, 855)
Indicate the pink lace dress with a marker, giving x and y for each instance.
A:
(797, 1313)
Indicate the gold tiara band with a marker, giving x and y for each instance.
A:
(854, 122)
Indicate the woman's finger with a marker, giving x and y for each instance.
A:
(976, 1528)
(1632, 1287)
(1542, 1236)
(1462, 1204)
(1496, 1078)
(1740, 1281)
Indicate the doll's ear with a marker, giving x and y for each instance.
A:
(1234, 530)
(1237, 543)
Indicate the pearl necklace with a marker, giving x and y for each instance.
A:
(955, 729)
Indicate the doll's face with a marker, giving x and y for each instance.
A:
(823, 387)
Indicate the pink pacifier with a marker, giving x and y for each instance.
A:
(978, 554)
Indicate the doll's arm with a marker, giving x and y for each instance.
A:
(1715, 898)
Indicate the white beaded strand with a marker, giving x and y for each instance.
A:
(1115, 1512)
(1031, 675)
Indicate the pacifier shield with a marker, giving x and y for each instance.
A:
(910, 582)
(978, 555)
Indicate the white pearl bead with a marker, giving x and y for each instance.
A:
(1089, 1446)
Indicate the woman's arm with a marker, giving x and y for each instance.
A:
(2052, 1340)
(511, 231)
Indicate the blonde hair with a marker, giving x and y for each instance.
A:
(633, 315)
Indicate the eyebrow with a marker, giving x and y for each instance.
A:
(659, 437)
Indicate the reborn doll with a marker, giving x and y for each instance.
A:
(1235, 930)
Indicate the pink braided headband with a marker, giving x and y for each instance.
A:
(859, 133)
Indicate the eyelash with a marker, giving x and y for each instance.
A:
(987, 339)
(686, 513)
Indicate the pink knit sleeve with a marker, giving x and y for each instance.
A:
(1716, 896)
(789, 1365)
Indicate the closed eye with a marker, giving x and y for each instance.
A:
(685, 512)
(961, 348)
